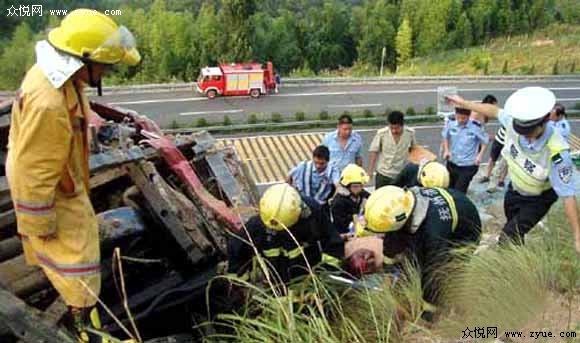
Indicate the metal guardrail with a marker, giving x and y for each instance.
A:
(380, 120)
(296, 82)
(289, 125)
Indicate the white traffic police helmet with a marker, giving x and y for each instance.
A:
(529, 107)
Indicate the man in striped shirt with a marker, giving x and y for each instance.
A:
(317, 178)
(495, 153)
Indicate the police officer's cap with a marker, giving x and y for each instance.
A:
(529, 107)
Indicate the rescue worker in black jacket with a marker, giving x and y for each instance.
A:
(428, 173)
(349, 198)
(286, 218)
(424, 224)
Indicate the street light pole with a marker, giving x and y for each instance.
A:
(383, 58)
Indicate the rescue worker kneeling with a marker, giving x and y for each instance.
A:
(424, 224)
(286, 219)
(349, 198)
(426, 174)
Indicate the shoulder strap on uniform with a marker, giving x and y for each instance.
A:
(557, 144)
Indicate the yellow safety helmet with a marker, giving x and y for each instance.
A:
(388, 209)
(93, 36)
(280, 207)
(433, 174)
(353, 173)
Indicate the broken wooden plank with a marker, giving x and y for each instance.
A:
(10, 248)
(151, 185)
(7, 218)
(28, 323)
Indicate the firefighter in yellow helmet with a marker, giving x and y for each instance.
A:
(429, 173)
(423, 224)
(47, 164)
(349, 198)
(286, 219)
(540, 167)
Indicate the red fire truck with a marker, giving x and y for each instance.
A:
(237, 79)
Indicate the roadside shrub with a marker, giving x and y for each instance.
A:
(573, 67)
(430, 110)
(201, 122)
(300, 116)
(174, 125)
(577, 106)
(276, 117)
(368, 114)
(252, 119)
(555, 68)
(323, 115)
(227, 121)
(410, 111)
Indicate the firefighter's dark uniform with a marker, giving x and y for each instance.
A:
(319, 240)
(343, 207)
(408, 176)
(443, 219)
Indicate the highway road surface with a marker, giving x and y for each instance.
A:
(270, 157)
(187, 107)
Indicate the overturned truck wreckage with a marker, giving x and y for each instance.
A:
(166, 205)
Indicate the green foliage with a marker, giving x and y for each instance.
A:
(252, 118)
(404, 42)
(430, 110)
(201, 122)
(573, 67)
(17, 57)
(300, 116)
(323, 115)
(410, 111)
(276, 118)
(377, 31)
(577, 106)
(368, 114)
(555, 68)
(227, 121)
(303, 38)
(174, 125)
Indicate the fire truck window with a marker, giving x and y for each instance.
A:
(216, 77)
(206, 78)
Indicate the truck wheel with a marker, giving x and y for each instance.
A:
(211, 94)
(255, 93)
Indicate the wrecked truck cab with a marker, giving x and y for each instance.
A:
(166, 206)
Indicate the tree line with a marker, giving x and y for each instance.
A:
(304, 37)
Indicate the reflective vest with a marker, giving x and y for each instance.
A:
(530, 171)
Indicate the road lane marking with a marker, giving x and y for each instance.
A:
(354, 105)
(152, 101)
(401, 91)
(569, 99)
(209, 112)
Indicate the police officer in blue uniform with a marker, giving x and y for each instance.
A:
(559, 122)
(539, 163)
(464, 143)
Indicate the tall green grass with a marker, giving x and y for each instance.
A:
(508, 288)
